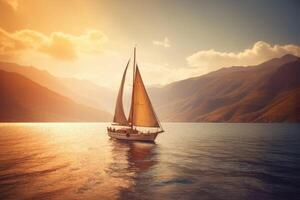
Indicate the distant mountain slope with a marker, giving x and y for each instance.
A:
(24, 100)
(88, 93)
(81, 91)
(268, 92)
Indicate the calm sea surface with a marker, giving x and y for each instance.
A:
(188, 161)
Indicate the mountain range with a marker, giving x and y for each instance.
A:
(81, 91)
(268, 92)
(22, 100)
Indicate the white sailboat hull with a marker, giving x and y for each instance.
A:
(146, 137)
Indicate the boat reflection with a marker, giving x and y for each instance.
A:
(131, 164)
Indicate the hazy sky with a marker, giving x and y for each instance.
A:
(175, 39)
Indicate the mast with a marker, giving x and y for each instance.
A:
(132, 93)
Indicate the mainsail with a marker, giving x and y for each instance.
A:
(141, 111)
(119, 116)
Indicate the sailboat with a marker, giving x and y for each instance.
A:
(142, 123)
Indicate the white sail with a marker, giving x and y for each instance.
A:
(119, 116)
(141, 111)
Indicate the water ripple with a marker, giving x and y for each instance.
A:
(189, 161)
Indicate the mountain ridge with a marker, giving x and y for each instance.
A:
(23, 100)
(81, 91)
(224, 95)
(267, 92)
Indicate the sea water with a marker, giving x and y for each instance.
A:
(187, 161)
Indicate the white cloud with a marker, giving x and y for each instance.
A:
(58, 45)
(161, 74)
(203, 62)
(210, 60)
(164, 43)
(12, 3)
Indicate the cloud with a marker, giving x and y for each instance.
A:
(12, 3)
(9, 45)
(58, 45)
(209, 60)
(164, 43)
(160, 74)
